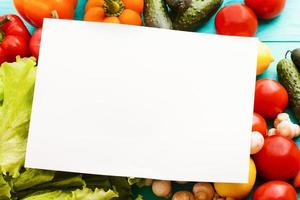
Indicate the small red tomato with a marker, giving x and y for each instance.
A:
(259, 124)
(34, 43)
(271, 98)
(236, 19)
(275, 190)
(278, 159)
(266, 9)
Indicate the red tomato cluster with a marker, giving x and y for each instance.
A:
(279, 159)
(241, 20)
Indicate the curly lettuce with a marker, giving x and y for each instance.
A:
(18, 80)
(1, 92)
(32, 177)
(4, 189)
(79, 194)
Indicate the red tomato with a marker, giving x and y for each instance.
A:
(271, 98)
(266, 9)
(2, 56)
(236, 19)
(259, 124)
(34, 43)
(275, 190)
(278, 159)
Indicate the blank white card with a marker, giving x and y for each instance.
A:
(142, 102)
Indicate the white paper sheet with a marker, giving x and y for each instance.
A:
(142, 102)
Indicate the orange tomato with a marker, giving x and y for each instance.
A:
(34, 11)
(130, 17)
(95, 14)
(93, 3)
(115, 11)
(113, 20)
(136, 5)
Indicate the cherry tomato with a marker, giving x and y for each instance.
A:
(271, 98)
(278, 159)
(34, 43)
(236, 19)
(275, 190)
(266, 9)
(259, 124)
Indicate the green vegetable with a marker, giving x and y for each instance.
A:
(31, 178)
(140, 182)
(198, 12)
(139, 197)
(296, 57)
(74, 181)
(289, 77)
(121, 185)
(156, 14)
(18, 79)
(83, 194)
(179, 5)
(4, 189)
(48, 195)
(1, 92)
(88, 194)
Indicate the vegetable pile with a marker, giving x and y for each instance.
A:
(275, 157)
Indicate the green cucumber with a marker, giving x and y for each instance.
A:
(289, 76)
(156, 14)
(198, 12)
(179, 5)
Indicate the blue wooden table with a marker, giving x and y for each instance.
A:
(281, 34)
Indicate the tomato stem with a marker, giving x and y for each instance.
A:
(113, 7)
(54, 14)
(4, 21)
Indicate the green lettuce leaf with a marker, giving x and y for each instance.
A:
(1, 92)
(64, 183)
(140, 182)
(88, 194)
(139, 197)
(4, 189)
(121, 185)
(32, 177)
(83, 194)
(94, 181)
(50, 195)
(18, 79)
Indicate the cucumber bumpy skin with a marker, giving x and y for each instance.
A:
(196, 14)
(289, 76)
(156, 14)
